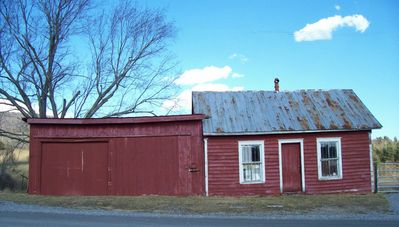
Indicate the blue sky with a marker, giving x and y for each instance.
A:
(243, 45)
(235, 45)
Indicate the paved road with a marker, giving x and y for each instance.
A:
(48, 219)
(12, 214)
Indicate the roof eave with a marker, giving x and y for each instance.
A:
(127, 120)
(282, 132)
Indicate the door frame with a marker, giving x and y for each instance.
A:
(280, 143)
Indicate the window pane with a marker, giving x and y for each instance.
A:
(246, 154)
(251, 172)
(325, 168)
(329, 168)
(333, 150)
(250, 153)
(255, 153)
(333, 168)
(324, 150)
(328, 150)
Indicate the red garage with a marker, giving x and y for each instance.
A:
(117, 156)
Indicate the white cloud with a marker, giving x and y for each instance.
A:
(204, 75)
(337, 7)
(199, 80)
(323, 29)
(237, 75)
(242, 58)
(183, 101)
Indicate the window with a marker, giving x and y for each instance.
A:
(251, 158)
(329, 158)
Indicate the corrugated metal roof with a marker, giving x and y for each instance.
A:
(287, 111)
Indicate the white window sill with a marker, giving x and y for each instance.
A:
(253, 182)
(330, 178)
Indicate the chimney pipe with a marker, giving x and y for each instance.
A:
(276, 85)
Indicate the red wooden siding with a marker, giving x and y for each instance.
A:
(223, 168)
(223, 172)
(152, 157)
(291, 167)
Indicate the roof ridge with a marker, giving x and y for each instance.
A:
(298, 90)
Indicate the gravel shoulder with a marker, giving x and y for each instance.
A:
(393, 199)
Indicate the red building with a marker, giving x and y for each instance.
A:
(271, 142)
(117, 156)
(234, 143)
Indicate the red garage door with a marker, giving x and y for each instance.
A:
(150, 165)
(74, 168)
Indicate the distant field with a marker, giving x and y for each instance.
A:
(22, 164)
(22, 155)
(20, 172)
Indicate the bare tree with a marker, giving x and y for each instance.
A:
(129, 62)
(130, 68)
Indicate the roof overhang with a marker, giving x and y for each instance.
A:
(126, 120)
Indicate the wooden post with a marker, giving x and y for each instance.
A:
(375, 177)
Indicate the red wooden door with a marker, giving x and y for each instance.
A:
(74, 168)
(291, 161)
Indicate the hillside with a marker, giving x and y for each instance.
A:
(12, 122)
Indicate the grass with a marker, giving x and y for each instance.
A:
(330, 204)
(21, 167)
(22, 155)
(21, 164)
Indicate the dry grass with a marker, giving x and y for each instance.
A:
(22, 164)
(22, 155)
(344, 203)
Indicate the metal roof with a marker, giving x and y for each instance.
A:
(257, 112)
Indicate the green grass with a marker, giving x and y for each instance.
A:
(344, 203)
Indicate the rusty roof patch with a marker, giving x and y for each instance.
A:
(304, 122)
(219, 130)
(269, 111)
(333, 126)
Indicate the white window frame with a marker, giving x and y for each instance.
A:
(262, 161)
(339, 154)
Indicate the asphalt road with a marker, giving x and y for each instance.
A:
(13, 218)
(12, 214)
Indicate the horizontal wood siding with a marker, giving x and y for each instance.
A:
(355, 165)
(223, 169)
